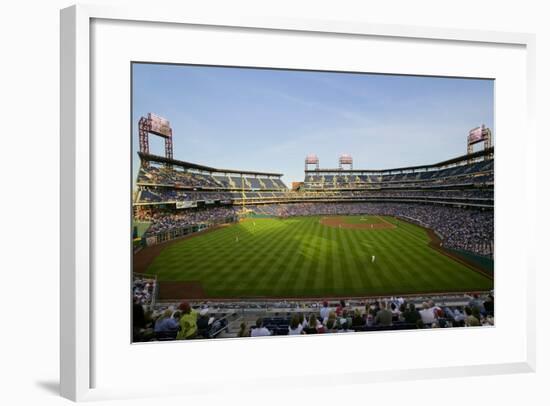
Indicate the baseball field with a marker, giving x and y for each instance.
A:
(318, 256)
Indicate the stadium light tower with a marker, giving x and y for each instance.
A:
(153, 124)
(477, 135)
(312, 159)
(345, 160)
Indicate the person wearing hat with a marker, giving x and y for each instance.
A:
(188, 322)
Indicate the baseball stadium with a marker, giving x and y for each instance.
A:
(222, 253)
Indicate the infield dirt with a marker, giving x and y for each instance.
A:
(339, 222)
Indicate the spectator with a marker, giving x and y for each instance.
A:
(203, 323)
(325, 311)
(411, 315)
(331, 324)
(260, 330)
(244, 331)
(471, 320)
(303, 320)
(384, 316)
(166, 323)
(340, 308)
(427, 314)
(295, 327)
(138, 314)
(395, 311)
(477, 303)
(313, 326)
(357, 320)
(489, 305)
(141, 328)
(371, 315)
(188, 322)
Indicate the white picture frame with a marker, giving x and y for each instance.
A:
(77, 187)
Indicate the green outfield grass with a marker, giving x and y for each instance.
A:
(301, 257)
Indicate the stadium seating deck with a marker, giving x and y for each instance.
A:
(238, 319)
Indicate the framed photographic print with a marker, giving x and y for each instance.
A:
(282, 250)
(282, 187)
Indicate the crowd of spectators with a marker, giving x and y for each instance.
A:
(160, 175)
(181, 322)
(478, 172)
(162, 194)
(171, 176)
(151, 194)
(394, 313)
(166, 221)
(143, 289)
(185, 321)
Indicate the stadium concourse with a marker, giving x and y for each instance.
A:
(453, 199)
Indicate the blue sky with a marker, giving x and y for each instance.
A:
(269, 120)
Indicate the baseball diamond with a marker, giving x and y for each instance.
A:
(307, 257)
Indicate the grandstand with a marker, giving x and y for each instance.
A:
(465, 181)
(452, 201)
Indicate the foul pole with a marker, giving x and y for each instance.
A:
(242, 193)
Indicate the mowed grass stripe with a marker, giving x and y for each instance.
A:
(264, 252)
(300, 284)
(300, 257)
(416, 232)
(330, 253)
(375, 241)
(398, 247)
(253, 250)
(369, 281)
(321, 271)
(295, 278)
(300, 253)
(355, 281)
(214, 264)
(193, 251)
(289, 273)
(410, 249)
(311, 251)
(266, 267)
(211, 258)
(429, 262)
(342, 277)
(455, 276)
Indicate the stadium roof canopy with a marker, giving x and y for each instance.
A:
(184, 164)
(448, 162)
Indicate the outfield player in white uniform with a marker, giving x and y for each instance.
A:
(373, 258)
